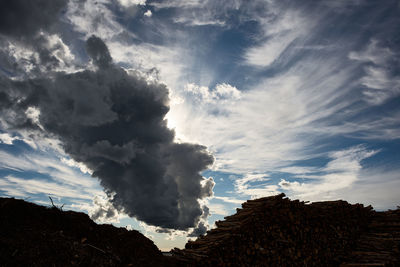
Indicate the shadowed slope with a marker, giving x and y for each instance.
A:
(33, 235)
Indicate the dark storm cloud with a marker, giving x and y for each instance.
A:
(22, 18)
(201, 228)
(98, 51)
(28, 23)
(114, 123)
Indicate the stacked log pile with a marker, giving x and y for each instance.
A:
(380, 244)
(275, 231)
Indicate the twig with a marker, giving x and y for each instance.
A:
(52, 203)
(57, 207)
(96, 248)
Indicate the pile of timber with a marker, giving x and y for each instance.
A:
(275, 231)
(380, 244)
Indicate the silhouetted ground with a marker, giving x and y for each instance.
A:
(272, 231)
(32, 235)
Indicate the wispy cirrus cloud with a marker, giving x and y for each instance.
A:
(300, 110)
(342, 171)
(52, 166)
(230, 199)
(356, 184)
(379, 81)
(19, 187)
(281, 29)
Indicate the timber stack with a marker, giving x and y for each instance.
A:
(380, 244)
(276, 231)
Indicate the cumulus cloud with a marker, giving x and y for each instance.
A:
(148, 13)
(7, 139)
(30, 40)
(103, 211)
(23, 19)
(202, 225)
(221, 93)
(128, 3)
(113, 122)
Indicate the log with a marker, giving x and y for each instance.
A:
(275, 231)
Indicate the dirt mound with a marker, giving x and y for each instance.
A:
(275, 231)
(32, 235)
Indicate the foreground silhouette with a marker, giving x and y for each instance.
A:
(275, 231)
(32, 235)
(271, 231)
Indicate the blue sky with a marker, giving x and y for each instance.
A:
(300, 97)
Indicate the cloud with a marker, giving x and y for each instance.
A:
(103, 211)
(30, 40)
(376, 186)
(342, 171)
(201, 229)
(202, 226)
(98, 52)
(44, 162)
(255, 123)
(148, 13)
(218, 209)
(374, 53)
(255, 186)
(21, 18)
(371, 186)
(379, 81)
(94, 17)
(177, 4)
(221, 92)
(72, 163)
(283, 118)
(226, 91)
(266, 53)
(230, 200)
(343, 6)
(223, 14)
(128, 3)
(19, 187)
(7, 139)
(279, 30)
(113, 122)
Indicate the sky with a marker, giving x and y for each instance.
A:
(164, 116)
